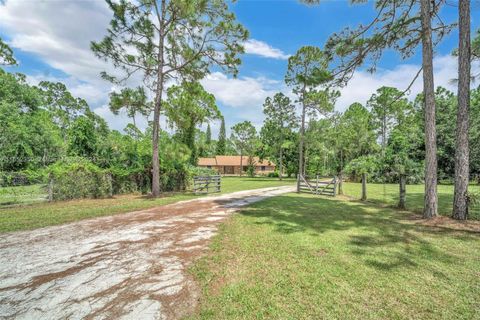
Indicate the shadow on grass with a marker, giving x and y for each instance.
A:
(381, 238)
(414, 198)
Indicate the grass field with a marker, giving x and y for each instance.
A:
(22, 195)
(36, 215)
(306, 257)
(388, 194)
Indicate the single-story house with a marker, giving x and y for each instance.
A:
(226, 165)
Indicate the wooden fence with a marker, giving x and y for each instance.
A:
(206, 184)
(318, 185)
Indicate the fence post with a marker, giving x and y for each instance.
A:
(335, 186)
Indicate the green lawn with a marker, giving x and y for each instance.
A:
(232, 184)
(388, 193)
(31, 216)
(306, 257)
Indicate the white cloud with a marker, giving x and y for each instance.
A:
(263, 49)
(239, 93)
(243, 97)
(364, 84)
(59, 34)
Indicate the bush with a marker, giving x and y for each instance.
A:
(251, 171)
(273, 174)
(79, 180)
(201, 171)
(174, 180)
(22, 178)
(129, 181)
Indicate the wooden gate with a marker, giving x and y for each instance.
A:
(318, 185)
(206, 184)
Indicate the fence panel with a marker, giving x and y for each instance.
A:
(318, 185)
(207, 184)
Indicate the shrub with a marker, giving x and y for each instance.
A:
(201, 171)
(129, 181)
(251, 171)
(273, 174)
(22, 178)
(79, 180)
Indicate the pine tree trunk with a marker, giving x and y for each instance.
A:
(384, 132)
(340, 183)
(364, 186)
(431, 201)
(280, 165)
(460, 205)
(300, 151)
(157, 110)
(155, 136)
(241, 163)
(403, 191)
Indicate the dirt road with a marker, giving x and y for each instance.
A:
(129, 266)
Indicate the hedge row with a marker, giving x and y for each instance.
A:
(83, 179)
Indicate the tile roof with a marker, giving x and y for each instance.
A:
(207, 162)
(232, 161)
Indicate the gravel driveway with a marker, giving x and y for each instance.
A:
(128, 266)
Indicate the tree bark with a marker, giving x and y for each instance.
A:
(364, 186)
(431, 201)
(280, 165)
(340, 183)
(300, 151)
(157, 109)
(460, 202)
(403, 191)
(241, 163)
(384, 131)
(155, 136)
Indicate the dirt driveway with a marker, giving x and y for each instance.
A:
(129, 266)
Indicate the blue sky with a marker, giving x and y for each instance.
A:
(51, 40)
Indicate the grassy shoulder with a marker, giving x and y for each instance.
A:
(306, 257)
(37, 215)
(389, 193)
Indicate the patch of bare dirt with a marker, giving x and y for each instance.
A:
(130, 266)
(443, 222)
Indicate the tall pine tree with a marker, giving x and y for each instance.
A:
(164, 39)
(222, 139)
(208, 139)
(460, 202)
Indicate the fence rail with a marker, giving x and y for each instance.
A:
(207, 184)
(318, 185)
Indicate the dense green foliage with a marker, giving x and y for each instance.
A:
(359, 131)
(244, 138)
(187, 107)
(46, 133)
(164, 40)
